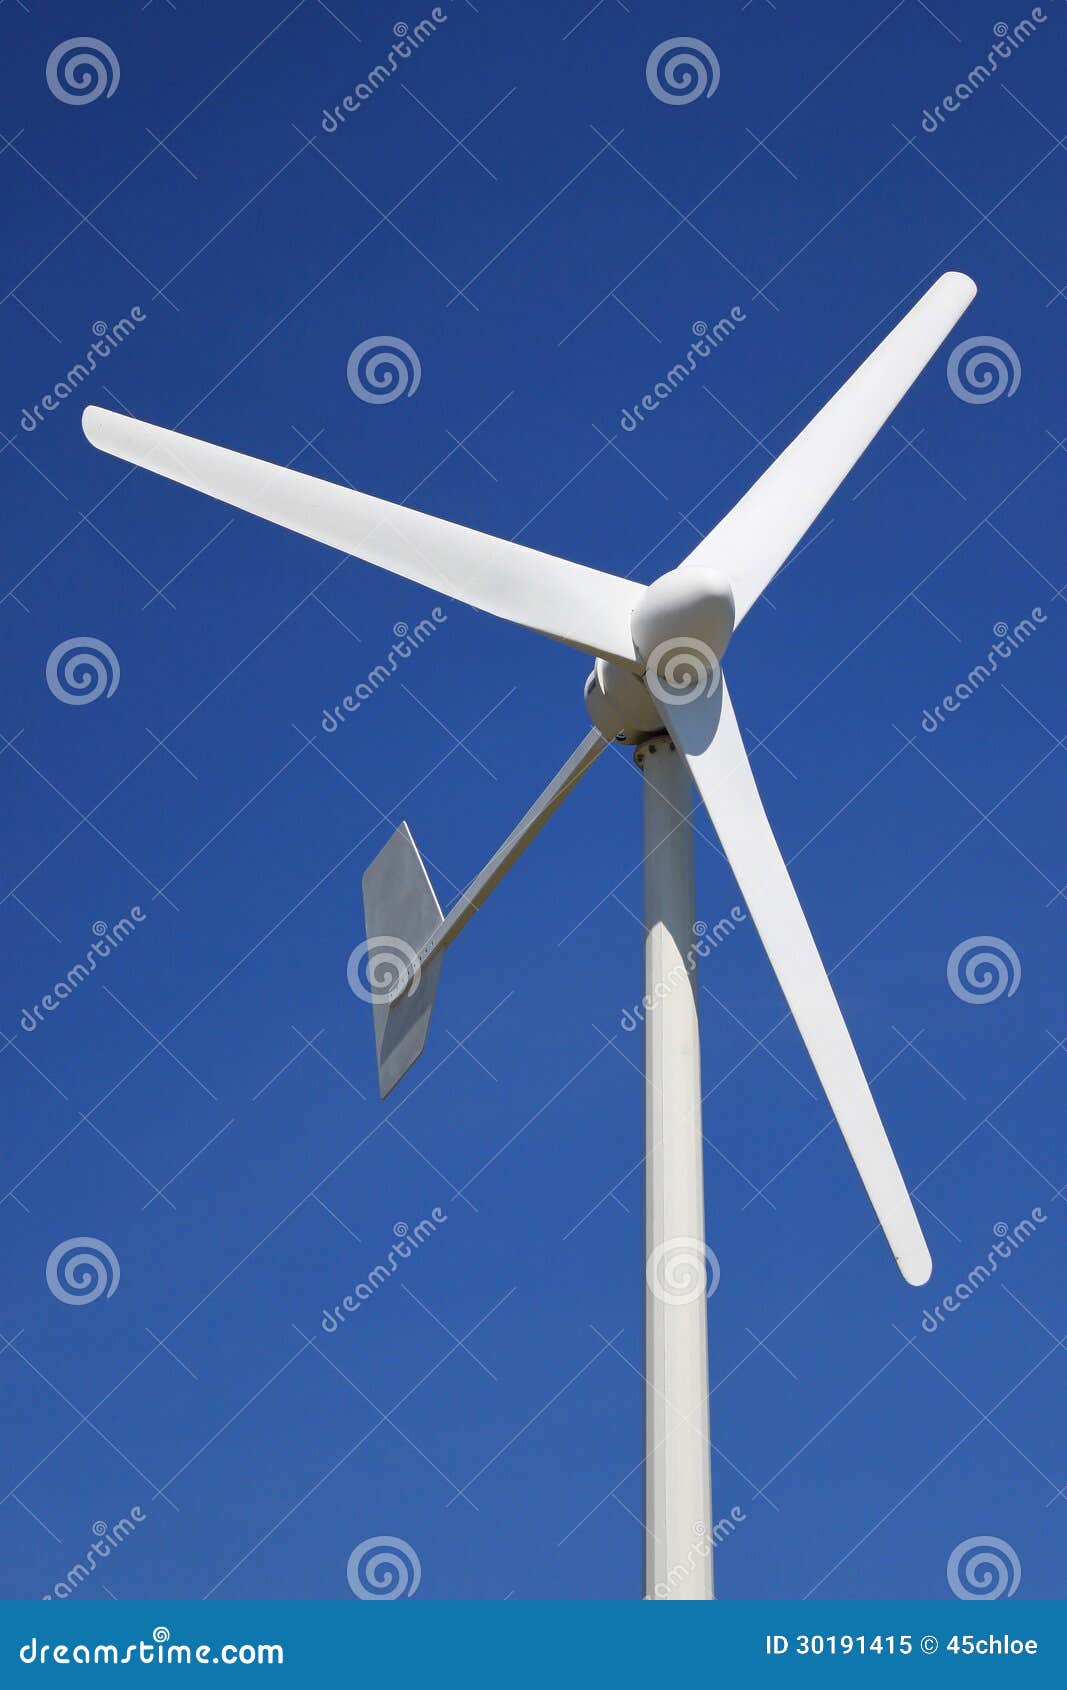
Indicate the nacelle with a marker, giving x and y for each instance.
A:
(620, 705)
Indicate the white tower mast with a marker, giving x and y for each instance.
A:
(678, 1523)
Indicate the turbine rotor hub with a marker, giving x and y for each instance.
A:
(683, 623)
(681, 627)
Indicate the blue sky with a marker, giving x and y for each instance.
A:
(518, 207)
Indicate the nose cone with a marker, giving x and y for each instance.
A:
(692, 607)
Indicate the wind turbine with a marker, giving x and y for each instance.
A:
(657, 684)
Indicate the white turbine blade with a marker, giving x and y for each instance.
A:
(706, 731)
(582, 607)
(753, 540)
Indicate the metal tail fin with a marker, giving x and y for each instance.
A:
(402, 912)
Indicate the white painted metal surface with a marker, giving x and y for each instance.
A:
(582, 607)
(400, 909)
(706, 729)
(522, 835)
(407, 933)
(753, 541)
(678, 1524)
